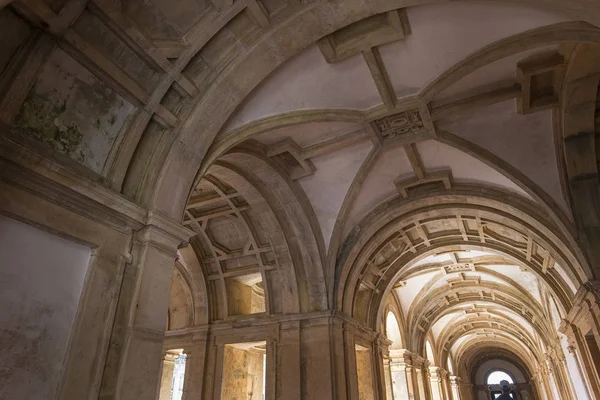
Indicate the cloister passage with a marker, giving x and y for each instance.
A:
(299, 199)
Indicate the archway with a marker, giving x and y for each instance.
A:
(312, 200)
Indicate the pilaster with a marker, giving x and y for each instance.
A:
(194, 366)
(404, 385)
(132, 370)
(435, 378)
(455, 387)
(582, 328)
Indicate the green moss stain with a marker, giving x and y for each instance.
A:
(41, 119)
(74, 112)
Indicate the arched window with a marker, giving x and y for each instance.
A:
(393, 330)
(495, 377)
(429, 352)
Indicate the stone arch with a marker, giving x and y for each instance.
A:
(579, 124)
(222, 99)
(477, 354)
(376, 228)
(501, 321)
(250, 219)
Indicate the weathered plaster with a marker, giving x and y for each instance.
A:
(74, 112)
(41, 280)
(233, 46)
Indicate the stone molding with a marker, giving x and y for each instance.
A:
(62, 181)
(59, 180)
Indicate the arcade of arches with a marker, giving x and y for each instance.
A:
(299, 199)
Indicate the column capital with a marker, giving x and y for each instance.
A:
(401, 355)
(168, 225)
(418, 361)
(170, 356)
(163, 233)
(586, 299)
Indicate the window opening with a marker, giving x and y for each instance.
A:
(178, 377)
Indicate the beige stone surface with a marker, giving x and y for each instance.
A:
(261, 183)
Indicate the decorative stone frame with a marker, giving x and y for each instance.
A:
(364, 35)
(268, 334)
(55, 195)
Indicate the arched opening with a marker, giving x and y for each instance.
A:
(429, 352)
(496, 376)
(393, 330)
(497, 382)
(301, 200)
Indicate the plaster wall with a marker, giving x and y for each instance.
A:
(328, 187)
(460, 28)
(41, 280)
(179, 307)
(525, 142)
(72, 111)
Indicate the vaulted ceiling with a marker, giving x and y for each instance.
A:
(327, 154)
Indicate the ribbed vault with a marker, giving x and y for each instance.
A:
(422, 173)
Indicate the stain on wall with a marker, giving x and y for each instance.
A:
(365, 374)
(242, 373)
(74, 112)
(41, 280)
(179, 305)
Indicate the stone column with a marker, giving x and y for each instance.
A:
(389, 395)
(445, 384)
(578, 343)
(559, 365)
(544, 382)
(381, 367)
(413, 382)
(323, 360)
(403, 384)
(435, 379)
(288, 354)
(455, 387)
(166, 380)
(420, 366)
(194, 366)
(573, 352)
(133, 366)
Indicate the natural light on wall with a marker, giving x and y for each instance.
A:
(178, 377)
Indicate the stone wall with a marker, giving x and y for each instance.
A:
(365, 374)
(242, 374)
(41, 279)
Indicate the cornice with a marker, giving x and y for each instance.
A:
(29, 165)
